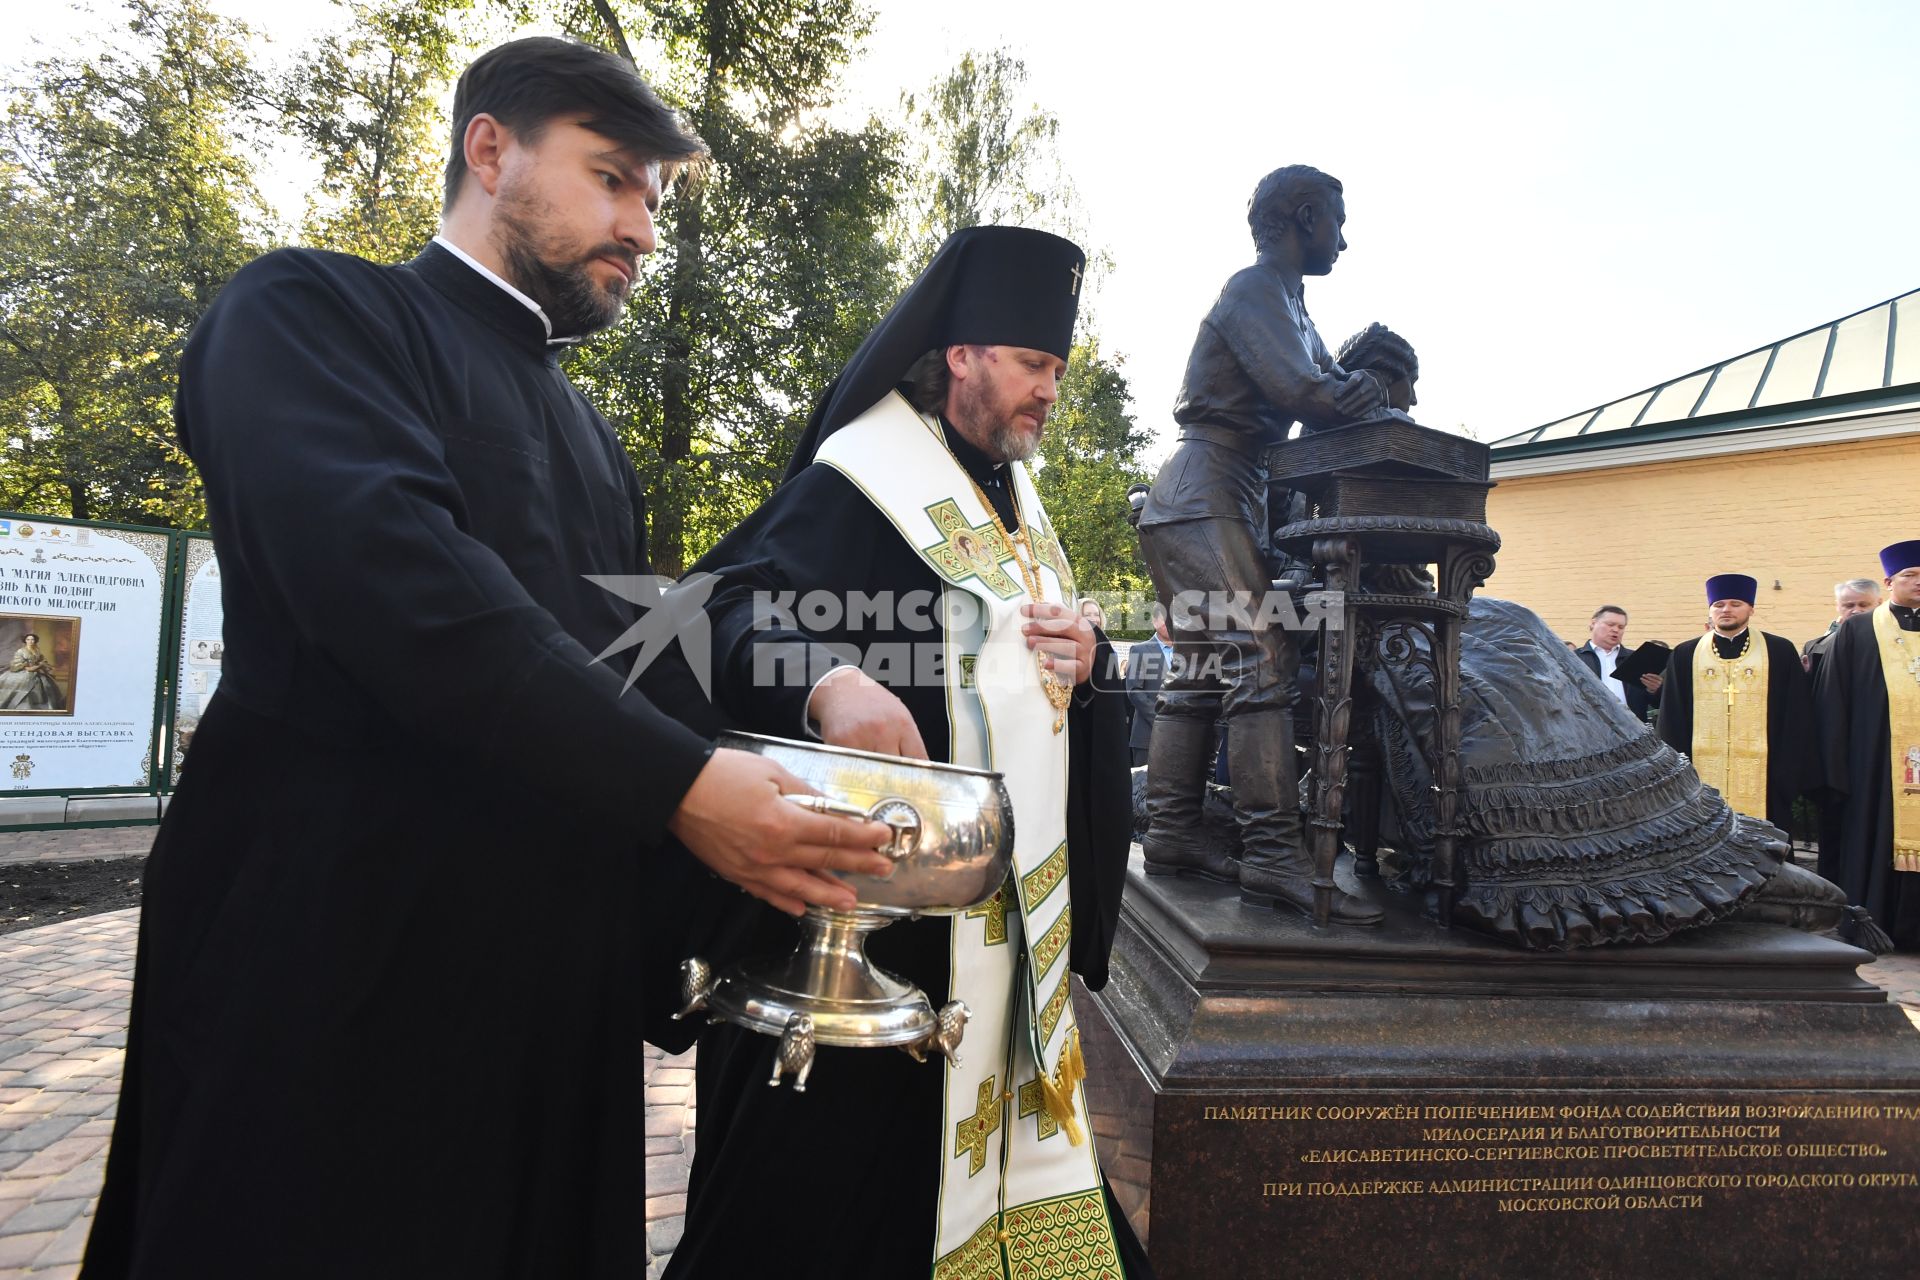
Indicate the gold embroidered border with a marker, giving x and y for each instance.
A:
(1046, 877)
(1051, 1011)
(977, 1259)
(1051, 944)
(1063, 1239)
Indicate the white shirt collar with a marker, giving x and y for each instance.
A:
(517, 296)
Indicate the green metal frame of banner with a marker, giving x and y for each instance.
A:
(160, 739)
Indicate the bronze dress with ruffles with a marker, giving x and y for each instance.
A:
(1581, 826)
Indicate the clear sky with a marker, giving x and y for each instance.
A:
(1556, 204)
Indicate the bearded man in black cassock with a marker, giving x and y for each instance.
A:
(386, 1003)
(1867, 699)
(1752, 744)
(906, 496)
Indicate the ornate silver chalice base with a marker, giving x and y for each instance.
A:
(952, 846)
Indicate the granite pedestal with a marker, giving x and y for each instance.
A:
(1276, 1100)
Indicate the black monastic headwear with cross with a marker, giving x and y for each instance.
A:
(997, 286)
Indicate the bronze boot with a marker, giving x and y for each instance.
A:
(1274, 868)
(1176, 844)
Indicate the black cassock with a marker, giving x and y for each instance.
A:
(385, 1010)
(1791, 767)
(843, 1180)
(1857, 768)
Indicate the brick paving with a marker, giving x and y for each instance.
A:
(669, 1152)
(64, 991)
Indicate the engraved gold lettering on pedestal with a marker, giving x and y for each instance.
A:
(994, 912)
(970, 1135)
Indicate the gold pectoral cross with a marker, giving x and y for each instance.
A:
(1731, 690)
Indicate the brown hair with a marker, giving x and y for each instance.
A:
(527, 84)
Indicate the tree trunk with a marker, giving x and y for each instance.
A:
(667, 507)
(611, 21)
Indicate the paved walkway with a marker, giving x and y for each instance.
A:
(669, 1152)
(64, 991)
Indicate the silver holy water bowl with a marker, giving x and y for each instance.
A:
(952, 846)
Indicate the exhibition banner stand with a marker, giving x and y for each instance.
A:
(110, 647)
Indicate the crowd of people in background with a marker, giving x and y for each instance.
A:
(1822, 740)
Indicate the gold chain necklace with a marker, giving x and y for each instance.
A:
(1059, 695)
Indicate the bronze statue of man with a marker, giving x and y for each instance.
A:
(1257, 367)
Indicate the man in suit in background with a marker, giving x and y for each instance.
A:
(1146, 672)
(1856, 595)
(1604, 651)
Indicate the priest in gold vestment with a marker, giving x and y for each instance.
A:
(1868, 698)
(1739, 705)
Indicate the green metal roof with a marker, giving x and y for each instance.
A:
(1870, 359)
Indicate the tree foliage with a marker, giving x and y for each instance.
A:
(976, 156)
(365, 103)
(770, 270)
(1090, 455)
(127, 199)
(125, 203)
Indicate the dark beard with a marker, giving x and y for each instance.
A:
(575, 305)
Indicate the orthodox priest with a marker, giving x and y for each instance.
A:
(1737, 702)
(908, 495)
(397, 897)
(1868, 699)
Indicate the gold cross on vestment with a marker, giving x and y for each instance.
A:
(1033, 1102)
(1075, 290)
(1731, 690)
(970, 1135)
(994, 911)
